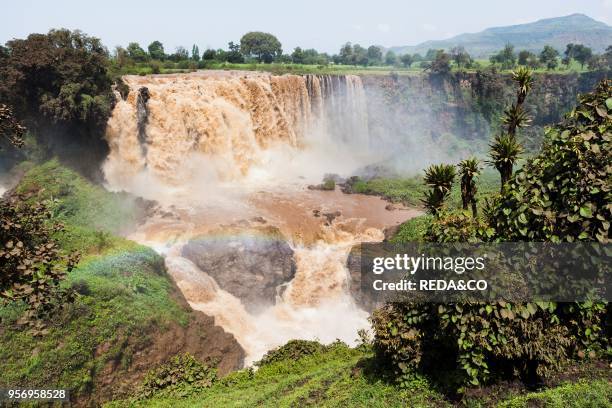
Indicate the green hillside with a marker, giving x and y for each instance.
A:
(558, 32)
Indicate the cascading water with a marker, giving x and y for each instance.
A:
(230, 152)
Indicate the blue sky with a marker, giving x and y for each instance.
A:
(321, 24)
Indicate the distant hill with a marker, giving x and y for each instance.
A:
(559, 31)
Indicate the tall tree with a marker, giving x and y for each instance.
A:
(360, 55)
(506, 57)
(346, 54)
(461, 57)
(297, 56)
(469, 169)
(440, 178)
(156, 51)
(209, 55)
(441, 64)
(263, 46)
(195, 53)
(390, 58)
(505, 149)
(233, 55)
(375, 54)
(549, 56)
(407, 60)
(136, 53)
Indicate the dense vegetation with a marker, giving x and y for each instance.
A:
(479, 342)
(59, 86)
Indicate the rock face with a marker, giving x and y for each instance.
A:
(251, 267)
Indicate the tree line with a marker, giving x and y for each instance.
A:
(266, 48)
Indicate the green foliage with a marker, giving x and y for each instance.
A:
(183, 370)
(475, 342)
(86, 210)
(549, 57)
(459, 227)
(468, 170)
(581, 394)
(33, 266)
(329, 185)
(578, 52)
(156, 51)
(136, 53)
(413, 230)
(440, 64)
(506, 57)
(505, 151)
(563, 194)
(439, 177)
(264, 46)
(293, 350)
(404, 190)
(62, 75)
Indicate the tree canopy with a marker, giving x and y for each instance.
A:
(263, 46)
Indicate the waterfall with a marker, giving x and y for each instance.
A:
(198, 144)
(229, 119)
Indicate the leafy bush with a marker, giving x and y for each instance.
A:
(181, 370)
(293, 350)
(474, 342)
(413, 230)
(32, 264)
(564, 193)
(459, 227)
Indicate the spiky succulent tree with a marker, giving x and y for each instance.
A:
(524, 78)
(440, 178)
(505, 150)
(469, 169)
(515, 117)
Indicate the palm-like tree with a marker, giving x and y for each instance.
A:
(505, 150)
(469, 169)
(524, 78)
(515, 117)
(440, 178)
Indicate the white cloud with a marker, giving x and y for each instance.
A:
(357, 27)
(385, 28)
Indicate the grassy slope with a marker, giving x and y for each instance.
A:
(327, 379)
(124, 290)
(338, 378)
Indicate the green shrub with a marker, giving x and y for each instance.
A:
(413, 230)
(182, 370)
(293, 350)
(328, 185)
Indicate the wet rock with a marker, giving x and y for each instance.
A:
(252, 267)
(331, 216)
